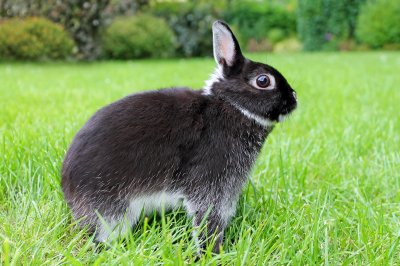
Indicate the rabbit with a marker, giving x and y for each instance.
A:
(156, 150)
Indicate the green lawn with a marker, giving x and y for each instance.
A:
(326, 186)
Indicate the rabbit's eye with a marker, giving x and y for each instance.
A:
(263, 81)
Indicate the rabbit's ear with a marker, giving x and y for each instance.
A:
(226, 48)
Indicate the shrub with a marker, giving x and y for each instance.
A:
(80, 18)
(33, 39)
(260, 21)
(276, 35)
(191, 24)
(138, 37)
(321, 24)
(83, 19)
(288, 45)
(379, 23)
(254, 45)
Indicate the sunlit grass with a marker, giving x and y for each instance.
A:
(326, 186)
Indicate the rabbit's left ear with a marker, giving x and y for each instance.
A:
(226, 47)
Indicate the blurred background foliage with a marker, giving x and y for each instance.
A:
(325, 24)
(127, 29)
(138, 36)
(34, 38)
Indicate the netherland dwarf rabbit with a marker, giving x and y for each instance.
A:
(156, 149)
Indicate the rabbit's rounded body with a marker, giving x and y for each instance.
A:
(152, 150)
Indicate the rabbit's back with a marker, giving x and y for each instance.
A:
(134, 144)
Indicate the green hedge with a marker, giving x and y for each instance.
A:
(138, 36)
(261, 21)
(251, 21)
(82, 19)
(33, 39)
(322, 24)
(191, 24)
(379, 24)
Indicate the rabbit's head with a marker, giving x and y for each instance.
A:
(258, 90)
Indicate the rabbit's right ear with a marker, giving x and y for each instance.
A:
(227, 51)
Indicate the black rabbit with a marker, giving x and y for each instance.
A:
(155, 149)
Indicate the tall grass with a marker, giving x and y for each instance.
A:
(326, 185)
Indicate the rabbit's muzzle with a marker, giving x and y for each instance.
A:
(288, 106)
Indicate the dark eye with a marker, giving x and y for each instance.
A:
(263, 81)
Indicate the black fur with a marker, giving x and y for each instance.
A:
(175, 141)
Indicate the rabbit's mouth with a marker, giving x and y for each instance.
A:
(282, 118)
(285, 113)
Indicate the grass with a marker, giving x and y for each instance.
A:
(326, 185)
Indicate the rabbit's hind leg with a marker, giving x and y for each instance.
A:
(112, 226)
(110, 229)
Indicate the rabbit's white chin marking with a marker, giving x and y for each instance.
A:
(216, 76)
(265, 122)
(282, 118)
